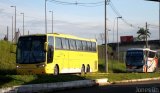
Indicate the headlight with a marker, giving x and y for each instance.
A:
(40, 65)
(18, 67)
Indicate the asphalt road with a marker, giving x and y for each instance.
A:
(137, 87)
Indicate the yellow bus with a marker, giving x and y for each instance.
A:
(56, 53)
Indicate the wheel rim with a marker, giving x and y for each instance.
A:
(83, 69)
(56, 70)
(88, 68)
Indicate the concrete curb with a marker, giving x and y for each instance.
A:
(135, 80)
(48, 87)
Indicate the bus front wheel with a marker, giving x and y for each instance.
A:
(56, 70)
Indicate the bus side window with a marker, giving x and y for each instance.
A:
(84, 43)
(58, 43)
(93, 46)
(50, 49)
(152, 54)
(72, 44)
(65, 43)
(79, 45)
(89, 46)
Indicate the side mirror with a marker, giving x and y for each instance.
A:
(46, 46)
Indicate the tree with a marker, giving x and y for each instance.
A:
(143, 34)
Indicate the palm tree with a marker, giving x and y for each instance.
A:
(143, 34)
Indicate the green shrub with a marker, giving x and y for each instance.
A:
(7, 57)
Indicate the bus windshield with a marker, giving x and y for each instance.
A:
(134, 57)
(30, 50)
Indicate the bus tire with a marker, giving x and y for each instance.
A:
(83, 70)
(88, 68)
(56, 70)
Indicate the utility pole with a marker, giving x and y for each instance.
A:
(106, 36)
(118, 38)
(146, 35)
(46, 16)
(23, 23)
(52, 20)
(7, 33)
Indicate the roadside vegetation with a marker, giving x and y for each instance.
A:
(7, 57)
(9, 78)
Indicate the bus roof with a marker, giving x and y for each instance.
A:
(143, 49)
(70, 36)
(61, 35)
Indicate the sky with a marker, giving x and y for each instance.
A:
(84, 19)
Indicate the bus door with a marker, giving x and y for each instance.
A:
(50, 54)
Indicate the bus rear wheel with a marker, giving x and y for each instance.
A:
(88, 69)
(83, 70)
(56, 70)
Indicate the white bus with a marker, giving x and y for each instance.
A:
(141, 60)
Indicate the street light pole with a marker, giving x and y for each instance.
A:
(46, 16)
(52, 20)
(113, 28)
(23, 22)
(12, 29)
(118, 38)
(15, 19)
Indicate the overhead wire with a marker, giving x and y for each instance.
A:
(119, 15)
(95, 4)
(100, 3)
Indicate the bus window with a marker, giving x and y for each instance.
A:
(89, 46)
(30, 50)
(72, 44)
(151, 54)
(65, 43)
(93, 46)
(50, 49)
(79, 45)
(85, 47)
(58, 43)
